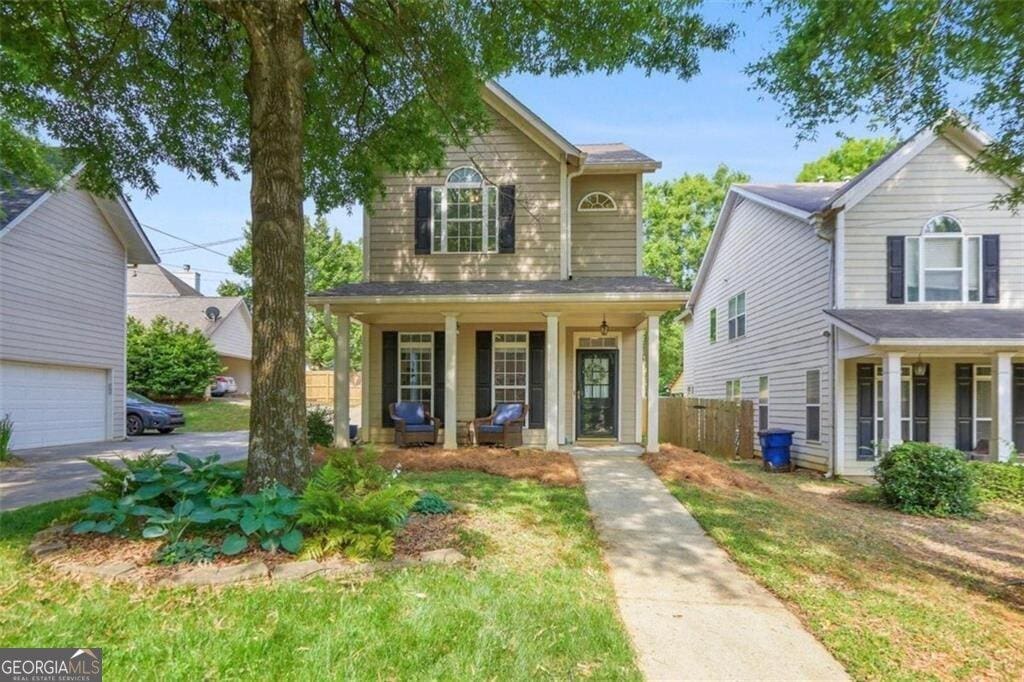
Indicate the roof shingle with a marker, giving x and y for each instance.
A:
(583, 285)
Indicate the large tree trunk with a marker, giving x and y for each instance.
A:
(279, 66)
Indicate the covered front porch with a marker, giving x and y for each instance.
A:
(954, 378)
(577, 356)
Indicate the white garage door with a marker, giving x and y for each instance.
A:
(52, 404)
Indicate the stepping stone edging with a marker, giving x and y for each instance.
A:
(49, 547)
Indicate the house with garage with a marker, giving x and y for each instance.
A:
(154, 291)
(510, 275)
(865, 313)
(63, 301)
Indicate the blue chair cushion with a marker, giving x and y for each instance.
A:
(411, 413)
(490, 428)
(507, 412)
(419, 428)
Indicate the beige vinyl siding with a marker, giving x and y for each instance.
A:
(604, 243)
(506, 156)
(233, 335)
(783, 268)
(935, 182)
(62, 292)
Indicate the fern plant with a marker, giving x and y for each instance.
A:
(6, 432)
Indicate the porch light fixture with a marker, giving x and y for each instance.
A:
(920, 368)
(604, 325)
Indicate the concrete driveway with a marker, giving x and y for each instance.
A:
(58, 472)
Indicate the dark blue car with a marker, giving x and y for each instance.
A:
(144, 414)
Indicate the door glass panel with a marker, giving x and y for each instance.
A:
(596, 387)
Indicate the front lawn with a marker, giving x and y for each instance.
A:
(536, 603)
(215, 415)
(892, 596)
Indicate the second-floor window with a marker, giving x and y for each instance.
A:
(464, 214)
(738, 315)
(943, 264)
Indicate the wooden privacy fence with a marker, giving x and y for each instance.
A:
(320, 388)
(721, 428)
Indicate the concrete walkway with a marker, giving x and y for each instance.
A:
(692, 614)
(54, 473)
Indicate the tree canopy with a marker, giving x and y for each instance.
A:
(169, 359)
(902, 64)
(846, 160)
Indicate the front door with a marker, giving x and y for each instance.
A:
(596, 394)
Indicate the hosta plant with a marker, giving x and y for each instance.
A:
(268, 517)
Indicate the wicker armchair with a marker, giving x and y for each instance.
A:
(502, 427)
(413, 424)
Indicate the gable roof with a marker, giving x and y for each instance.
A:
(156, 280)
(809, 197)
(190, 310)
(19, 201)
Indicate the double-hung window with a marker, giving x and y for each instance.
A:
(983, 404)
(464, 214)
(733, 389)
(511, 368)
(762, 403)
(713, 325)
(906, 404)
(813, 405)
(416, 368)
(943, 264)
(738, 315)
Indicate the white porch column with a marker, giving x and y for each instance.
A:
(552, 401)
(451, 341)
(341, 382)
(364, 386)
(652, 381)
(563, 407)
(1001, 443)
(892, 364)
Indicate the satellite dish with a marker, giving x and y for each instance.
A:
(213, 313)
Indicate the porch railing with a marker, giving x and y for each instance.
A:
(721, 428)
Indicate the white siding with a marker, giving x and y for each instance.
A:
(62, 292)
(604, 243)
(784, 269)
(936, 181)
(233, 335)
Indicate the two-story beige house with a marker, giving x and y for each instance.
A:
(513, 274)
(866, 313)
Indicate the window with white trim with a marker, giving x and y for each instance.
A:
(982, 405)
(906, 403)
(597, 201)
(762, 403)
(738, 315)
(464, 214)
(510, 367)
(416, 368)
(813, 405)
(943, 264)
(733, 389)
(713, 325)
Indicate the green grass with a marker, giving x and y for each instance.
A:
(538, 604)
(214, 415)
(893, 597)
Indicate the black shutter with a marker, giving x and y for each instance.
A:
(439, 371)
(422, 225)
(388, 375)
(922, 408)
(865, 412)
(894, 269)
(507, 219)
(990, 268)
(1018, 407)
(483, 373)
(536, 390)
(964, 410)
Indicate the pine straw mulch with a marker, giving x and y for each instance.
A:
(681, 465)
(549, 468)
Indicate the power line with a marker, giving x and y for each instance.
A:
(179, 249)
(182, 239)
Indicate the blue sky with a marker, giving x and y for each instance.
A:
(691, 126)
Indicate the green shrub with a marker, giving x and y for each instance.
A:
(997, 481)
(353, 505)
(268, 517)
(320, 424)
(431, 503)
(169, 360)
(194, 551)
(6, 431)
(923, 478)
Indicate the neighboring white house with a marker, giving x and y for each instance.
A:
(861, 314)
(154, 291)
(62, 313)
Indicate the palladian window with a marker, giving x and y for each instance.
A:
(597, 201)
(943, 264)
(465, 214)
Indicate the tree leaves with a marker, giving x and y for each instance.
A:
(169, 359)
(846, 160)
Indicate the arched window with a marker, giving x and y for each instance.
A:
(943, 264)
(597, 201)
(465, 214)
